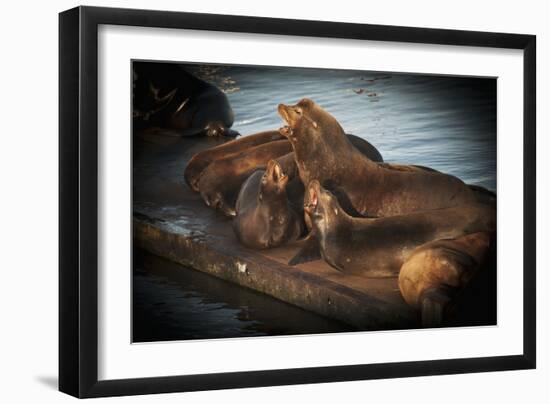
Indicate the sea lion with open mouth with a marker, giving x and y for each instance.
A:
(265, 216)
(323, 152)
(378, 247)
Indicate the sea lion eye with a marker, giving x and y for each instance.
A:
(298, 110)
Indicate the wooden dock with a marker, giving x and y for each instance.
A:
(171, 221)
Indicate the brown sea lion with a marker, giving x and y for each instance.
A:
(322, 152)
(437, 271)
(379, 247)
(265, 217)
(220, 182)
(310, 248)
(203, 159)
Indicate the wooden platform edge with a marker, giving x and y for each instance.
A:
(254, 271)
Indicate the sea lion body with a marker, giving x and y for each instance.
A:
(168, 97)
(322, 152)
(380, 246)
(438, 271)
(264, 215)
(448, 263)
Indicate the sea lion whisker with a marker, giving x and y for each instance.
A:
(181, 106)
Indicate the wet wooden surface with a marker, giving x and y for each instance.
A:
(171, 220)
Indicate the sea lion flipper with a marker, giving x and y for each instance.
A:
(309, 252)
(432, 307)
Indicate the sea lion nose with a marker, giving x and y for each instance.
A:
(283, 112)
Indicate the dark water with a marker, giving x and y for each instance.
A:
(446, 123)
(441, 122)
(171, 302)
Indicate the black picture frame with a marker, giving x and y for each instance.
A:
(78, 201)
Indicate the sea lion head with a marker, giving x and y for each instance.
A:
(321, 206)
(217, 128)
(273, 181)
(306, 120)
(272, 227)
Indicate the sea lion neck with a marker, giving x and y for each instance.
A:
(273, 198)
(325, 156)
(335, 221)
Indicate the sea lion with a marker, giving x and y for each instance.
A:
(310, 247)
(202, 159)
(378, 247)
(219, 173)
(220, 182)
(265, 217)
(166, 96)
(436, 272)
(322, 152)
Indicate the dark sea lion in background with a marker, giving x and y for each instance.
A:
(379, 247)
(436, 272)
(167, 97)
(204, 158)
(323, 153)
(220, 182)
(265, 217)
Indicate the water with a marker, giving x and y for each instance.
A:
(446, 123)
(171, 302)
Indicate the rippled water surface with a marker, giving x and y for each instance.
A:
(446, 123)
(172, 302)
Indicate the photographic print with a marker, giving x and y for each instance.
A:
(283, 201)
